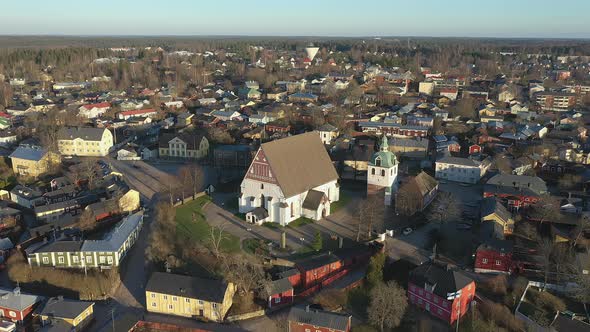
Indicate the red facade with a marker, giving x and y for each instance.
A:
(303, 327)
(260, 169)
(316, 275)
(514, 201)
(442, 308)
(492, 261)
(280, 299)
(473, 149)
(15, 315)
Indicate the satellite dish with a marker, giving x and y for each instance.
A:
(311, 52)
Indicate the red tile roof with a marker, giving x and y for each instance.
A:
(99, 105)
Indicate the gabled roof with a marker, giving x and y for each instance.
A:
(85, 133)
(325, 319)
(197, 288)
(99, 105)
(64, 308)
(27, 153)
(491, 205)
(313, 199)
(516, 184)
(14, 299)
(115, 239)
(424, 183)
(445, 280)
(280, 286)
(299, 163)
(138, 112)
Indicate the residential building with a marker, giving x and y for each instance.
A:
(493, 211)
(327, 133)
(281, 293)
(308, 320)
(148, 112)
(183, 146)
(422, 190)
(302, 97)
(290, 178)
(92, 111)
(84, 141)
(494, 256)
(65, 314)
(414, 148)
(383, 172)
(17, 306)
(461, 169)
(106, 253)
(555, 101)
(443, 292)
(25, 196)
(32, 161)
(187, 296)
(238, 156)
(515, 190)
(393, 129)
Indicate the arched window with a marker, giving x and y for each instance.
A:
(262, 201)
(262, 186)
(382, 172)
(372, 171)
(378, 161)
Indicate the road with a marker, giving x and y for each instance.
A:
(143, 177)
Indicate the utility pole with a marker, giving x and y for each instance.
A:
(113, 318)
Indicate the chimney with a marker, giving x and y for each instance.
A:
(340, 242)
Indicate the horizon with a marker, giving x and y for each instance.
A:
(502, 19)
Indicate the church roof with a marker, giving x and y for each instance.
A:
(299, 163)
(387, 158)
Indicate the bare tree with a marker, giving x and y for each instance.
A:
(407, 200)
(546, 208)
(388, 305)
(89, 171)
(368, 216)
(545, 248)
(444, 209)
(192, 176)
(216, 237)
(246, 273)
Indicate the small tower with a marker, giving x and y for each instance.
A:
(382, 172)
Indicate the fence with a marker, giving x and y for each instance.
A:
(248, 315)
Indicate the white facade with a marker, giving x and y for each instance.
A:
(283, 210)
(466, 172)
(327, 136)
(93, 112)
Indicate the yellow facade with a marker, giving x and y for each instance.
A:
(130, 201)
(189, 307)
(79, 323)
(32, 168)
(507, 225)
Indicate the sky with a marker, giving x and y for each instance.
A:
(365, 18)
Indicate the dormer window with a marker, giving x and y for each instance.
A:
(378, 161)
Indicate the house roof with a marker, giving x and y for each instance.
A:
(280, 286)
(510, 183)
(491, 205)
(459, 161)
(445, 280)
(198, 288)
(192, 140)
(313, 199)
(299, 163)
(115, 239)
(325, 319)
(99, 105)
(64, 308)
(504, 246)
(85, 133)
(317, 261)
(14, 299)
(327, 127)
(424, 183)
(27, 153)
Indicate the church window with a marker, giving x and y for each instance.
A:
(378, 161)
(372, 171)
(292, 210)
(382, 172)
(262, 186)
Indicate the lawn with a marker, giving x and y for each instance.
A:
(199, 230)
(300, 222)
(342, 202)
(255, 247)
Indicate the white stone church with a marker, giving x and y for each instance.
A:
(288, 179)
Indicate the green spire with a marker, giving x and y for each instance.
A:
(384, 144)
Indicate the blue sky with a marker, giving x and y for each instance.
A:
(464, 18)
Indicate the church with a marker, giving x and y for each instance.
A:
(289, 178)
(382, 173)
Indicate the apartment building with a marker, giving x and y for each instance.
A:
(461, 169)
(84, 141)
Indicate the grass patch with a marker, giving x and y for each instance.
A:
(272, 225)
(198, 229)
(300, 222)
(255, 247)
(342, 202)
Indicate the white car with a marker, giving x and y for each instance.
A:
(407, 231)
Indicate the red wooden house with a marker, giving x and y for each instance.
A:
(281, 293)
(474, 149)
(315, 269)
(17, 306)
(494, 256)
(443, 292)
(310, 320)
(515, 190)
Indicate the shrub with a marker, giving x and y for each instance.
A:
(501, 315)
(497, 285)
